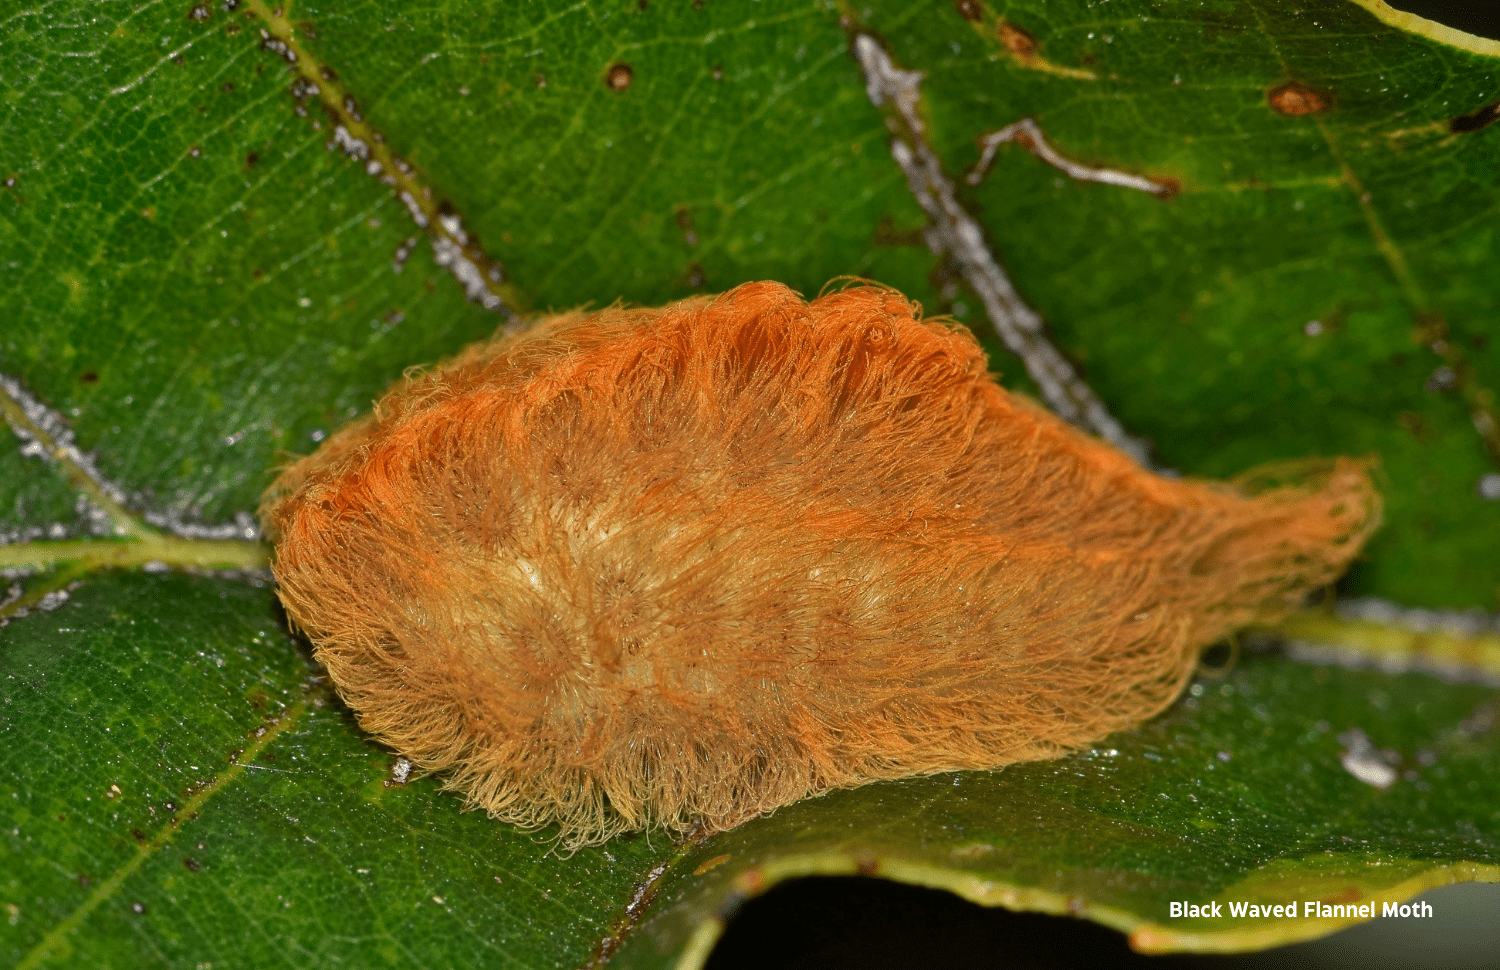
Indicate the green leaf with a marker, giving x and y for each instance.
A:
(202, 275)
(1237, 794)
(185, 790)
(1371, 217)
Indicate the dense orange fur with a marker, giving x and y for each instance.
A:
(658, 567)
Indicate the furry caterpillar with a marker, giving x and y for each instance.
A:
(678, 566)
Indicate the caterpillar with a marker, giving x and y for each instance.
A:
(677, 567)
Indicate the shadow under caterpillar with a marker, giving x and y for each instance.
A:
(683, 566)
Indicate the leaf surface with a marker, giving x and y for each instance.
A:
(185, 790)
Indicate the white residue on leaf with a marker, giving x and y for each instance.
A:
(954, 231)
(175, 521)
(349, 145)
(1364, 761)
(1029, 135)
(449, 249)
(46, 434)
(417, 215)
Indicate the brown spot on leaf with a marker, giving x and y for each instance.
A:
(251, 159)
(619, 76)
(1441, 379)
(232, 29)
(1475, 120)
(713, 863)
(695, 276)
(684, 217)
(1413, 424)
(887, 234)
(89, 377)
(968, 9)
(1432, 326)
(867, 865)
(1296, 99)
(227, 86)
(541, 80)
(138, 835)
(328, 74)
(1019, 42)
(191, 864)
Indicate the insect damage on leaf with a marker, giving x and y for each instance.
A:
(1296, 99)
(682, 566)
(1475, 120)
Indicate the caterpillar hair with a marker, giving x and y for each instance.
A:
(682, 566)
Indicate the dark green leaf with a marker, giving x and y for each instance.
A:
(183, 789)
(1237, 794)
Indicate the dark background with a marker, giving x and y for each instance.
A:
(872, 924)
(1482, 17)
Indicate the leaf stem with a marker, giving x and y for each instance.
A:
(45, 434)
(481, 276)
(171, 551)
(1320, 636)
(25, 417)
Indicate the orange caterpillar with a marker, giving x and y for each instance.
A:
(678, 566)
